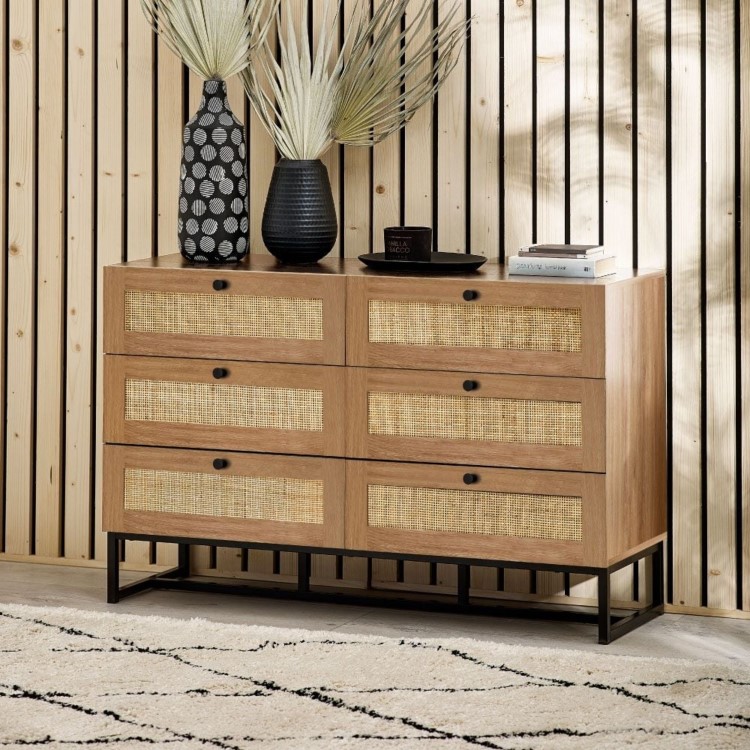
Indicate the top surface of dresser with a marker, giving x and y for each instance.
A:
(338, 312)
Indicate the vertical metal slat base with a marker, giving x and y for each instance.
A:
(610, 626)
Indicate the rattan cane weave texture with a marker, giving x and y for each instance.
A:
(474, 512)
(194, 493)
(502, 420)
(223, 315)
(224, 405)
(541, 329)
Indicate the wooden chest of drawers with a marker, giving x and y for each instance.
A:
(476, 418)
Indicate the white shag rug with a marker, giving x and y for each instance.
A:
(70, 678)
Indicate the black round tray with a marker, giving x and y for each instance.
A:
(440, 263)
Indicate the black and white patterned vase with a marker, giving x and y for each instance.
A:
(212, 224)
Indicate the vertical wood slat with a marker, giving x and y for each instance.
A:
(584, 122)
(50, 281)
(550, 163)
(517, 110)
(110, 206)
(386, 201)
(651, 138)
(720, 324)
(484, 144)
(517, 151)
(583, 178)
(21, 270)
(357, 235)
(451, 152)
(484, 180)
(140, 123)
(686, 302)
(550, 124)
(651, 143)
(386, 181)
(170, 122)
(5, 104)
(418, 174)
(357, 232)
(141, 200)
(484, 163)
(618, 141)
(80, 274)
(617, 179)
(262, 159)
(417, 186)
(744, 270)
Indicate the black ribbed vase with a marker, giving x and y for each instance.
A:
(299, 220)
(212, 223)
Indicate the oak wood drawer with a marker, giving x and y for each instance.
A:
(254, 498)
(228, 405)
(476, 325)
(224, 313)
(478, 418)
(506, 514)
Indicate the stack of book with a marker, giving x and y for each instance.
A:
(583, 261)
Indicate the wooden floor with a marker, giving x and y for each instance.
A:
(674, 636)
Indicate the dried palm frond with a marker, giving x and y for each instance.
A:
(297, 105)
(385, 72)
(215, 38)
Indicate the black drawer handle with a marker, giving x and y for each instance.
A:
(220, 463)
(471, 478)
(220, 372)
(471, 294)
(220, 284)
(470, 385)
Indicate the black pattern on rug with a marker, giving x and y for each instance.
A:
(352, 700)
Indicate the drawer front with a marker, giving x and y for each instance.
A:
(254, 407)
(273, 499)
(502, 420)
(504, 514)
(503, 327)
(258, 317)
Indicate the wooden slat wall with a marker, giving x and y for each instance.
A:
(566, 120)
(686, 302)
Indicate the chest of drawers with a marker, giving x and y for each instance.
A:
(482, 418)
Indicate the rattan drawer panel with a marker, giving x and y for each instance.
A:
(222, 496)
(500, 420)
(474, 512)
(263, 498)
(223, 405)
(539, 329)
(505, 420)
(265, 318)
(513, 514)
(177, 402)
(431, 324)
(223, 315)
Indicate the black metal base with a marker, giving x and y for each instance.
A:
(612, 624)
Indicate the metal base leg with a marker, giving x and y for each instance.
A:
(113, 569)
(303, 572)
(610, 625)
(609, 628)
(463, 583)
